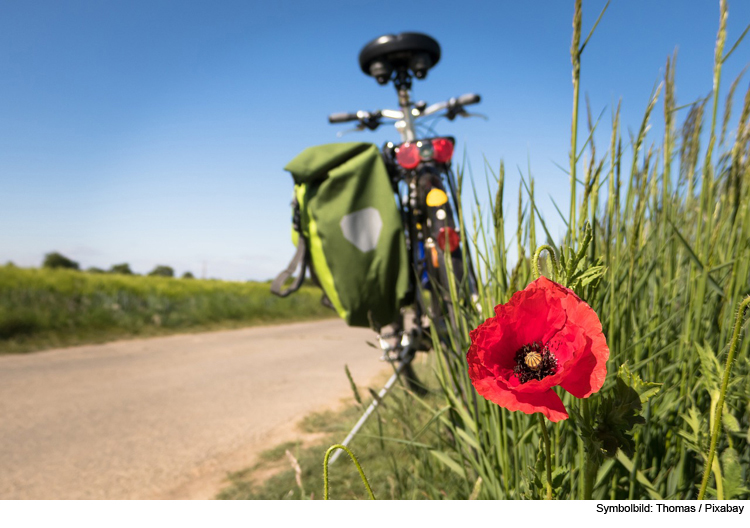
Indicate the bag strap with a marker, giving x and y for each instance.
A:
(299, 260)
(324, 300)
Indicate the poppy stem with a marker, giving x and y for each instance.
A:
(356, 463)
(535, 269)
(720, 405)
(548, 455)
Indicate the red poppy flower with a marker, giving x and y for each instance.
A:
(543, 337)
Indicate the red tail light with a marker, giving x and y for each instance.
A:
(443, 150)
(451, 235)
(407, 155)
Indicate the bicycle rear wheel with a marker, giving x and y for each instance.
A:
(450, 283)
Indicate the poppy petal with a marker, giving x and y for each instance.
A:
(496, 342)
(554, 316)
(589, 371)
(535, 313)
(546, 402)
(586, 376)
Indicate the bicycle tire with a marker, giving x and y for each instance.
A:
(439, 275)
(434, 278)
(411, 380)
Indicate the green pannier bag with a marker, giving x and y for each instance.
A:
(348, 232)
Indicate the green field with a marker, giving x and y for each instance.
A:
(44, 308)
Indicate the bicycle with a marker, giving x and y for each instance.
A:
(420, 172)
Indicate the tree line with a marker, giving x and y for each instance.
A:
(57, 260)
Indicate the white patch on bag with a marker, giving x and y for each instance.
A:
(362, 228)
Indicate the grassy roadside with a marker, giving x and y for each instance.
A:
(43, 308)
(378, 447)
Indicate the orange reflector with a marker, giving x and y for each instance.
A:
(435, 261)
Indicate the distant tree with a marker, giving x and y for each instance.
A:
(94, 269)
(188, 275)
(56, 260)
(162, 271)
(122, 269)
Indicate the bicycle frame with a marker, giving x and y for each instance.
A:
(420, 236)
(405, 125)
(421, 219)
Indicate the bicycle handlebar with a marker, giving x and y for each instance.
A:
(454, 106)
(342, 117)
(468, 99)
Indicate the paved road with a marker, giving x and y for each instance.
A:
(166, 417)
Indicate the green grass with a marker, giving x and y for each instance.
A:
(44, 308)
(277, 453)
(668, 221)
(379, 448)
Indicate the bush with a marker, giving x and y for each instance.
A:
(161, 271)
(122, 269)
(188, 275)
(56, 260)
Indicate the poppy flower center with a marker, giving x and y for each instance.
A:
(534, 362)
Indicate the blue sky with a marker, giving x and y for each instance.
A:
(155, 132)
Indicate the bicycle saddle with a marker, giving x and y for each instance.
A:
(406, 51)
